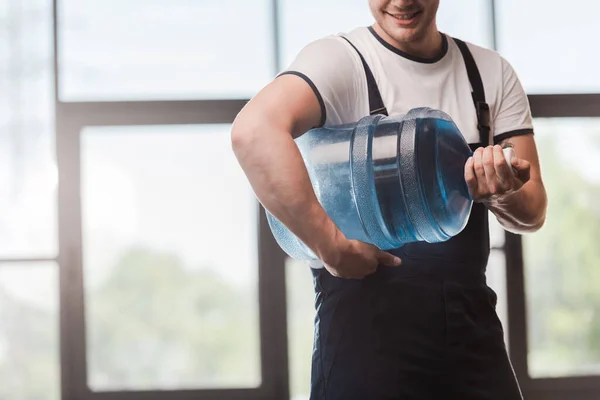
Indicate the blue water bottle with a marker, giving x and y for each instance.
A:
(387, 181)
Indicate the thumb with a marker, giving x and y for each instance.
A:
(521, 168)
(388, 259)
(519, 164)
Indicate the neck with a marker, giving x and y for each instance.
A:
(429, 46)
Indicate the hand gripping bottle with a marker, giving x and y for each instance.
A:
(387, 180)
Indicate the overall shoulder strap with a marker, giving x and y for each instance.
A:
(376, 105)
(481, 107)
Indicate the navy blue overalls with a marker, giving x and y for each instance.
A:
(426, 330)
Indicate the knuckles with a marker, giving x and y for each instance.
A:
(484, 188)
(478, 167)
(488, 162)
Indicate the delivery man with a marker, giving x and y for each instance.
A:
(418, 322)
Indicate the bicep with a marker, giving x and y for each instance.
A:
(286, 104)
(321, 85)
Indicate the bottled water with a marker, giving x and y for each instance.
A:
(386, 180)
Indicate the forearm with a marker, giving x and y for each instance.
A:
(273, 164)
(522, 211)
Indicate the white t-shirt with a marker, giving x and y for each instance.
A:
(336, 74)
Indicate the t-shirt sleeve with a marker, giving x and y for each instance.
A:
(334, 73)
(514, 114)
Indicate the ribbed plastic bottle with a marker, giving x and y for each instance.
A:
(387, 181)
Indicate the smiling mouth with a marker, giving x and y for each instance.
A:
(405, 17)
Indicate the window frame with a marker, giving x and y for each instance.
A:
(559, 388)
(71, 121)
(72, 117)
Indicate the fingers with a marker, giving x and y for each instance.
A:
(388, 260)
(488, 175)
(490, 172)
(503, 170)
(478, 165)
(479, 171)
(360, 259)
(470, 177)
(350, 272)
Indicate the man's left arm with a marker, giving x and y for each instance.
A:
(514, 193)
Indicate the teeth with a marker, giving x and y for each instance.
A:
(404, 16)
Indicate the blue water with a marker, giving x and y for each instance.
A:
(381, 187)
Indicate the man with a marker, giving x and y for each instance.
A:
(425, 329)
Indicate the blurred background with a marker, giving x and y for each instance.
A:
(135, 262)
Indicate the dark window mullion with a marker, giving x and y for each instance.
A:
(27, 260)
(152, 112)
(515, 289)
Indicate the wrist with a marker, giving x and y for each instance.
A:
(326, 241)
(497, 202)
(505, 199)
(329, 249)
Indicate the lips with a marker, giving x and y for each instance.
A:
(405, 17)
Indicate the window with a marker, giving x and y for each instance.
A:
(468, 20)
(164, 294)
(29, 345)
(300, 319)
(327, 17)
(562, 260)
(29, 314)
(549, 51)
(28, 176)
(159, 49)
(170, 260)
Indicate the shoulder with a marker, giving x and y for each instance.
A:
(334, 71)
(327, 50)
(487, 60)
(492, 65)
(329, 58)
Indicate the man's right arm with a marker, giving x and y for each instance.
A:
(263, 141)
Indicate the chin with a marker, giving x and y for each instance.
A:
(404, 35)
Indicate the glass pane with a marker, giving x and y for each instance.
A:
(468, 20)
(164, 49)
(28, 175)
(548, 50)
(329, 17)
(170, 260)
(29, 341)
(562, 259)
(300, 324)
